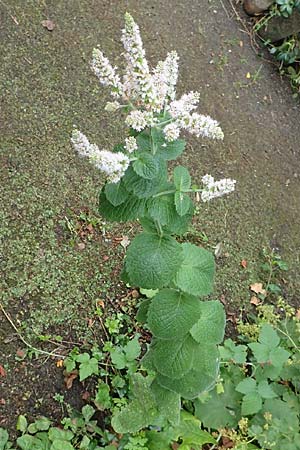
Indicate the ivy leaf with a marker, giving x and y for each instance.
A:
(182, 203)
(146, 166)
(247, 386)
(265, 390)
(211, 325)
(172, 313)
(174, 358)
(88, 366)
(116, 193)
(182, 179)
(195, 275)
(251, 404)
(152, 261)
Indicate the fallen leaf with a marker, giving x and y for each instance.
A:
(60, 363)
(105, 258)
(100, 303)
(2, 401)
(48, 24)
(135, 293)
(197, 197)
(2, 371)
(85, 395)
(81, 246)
(227, 443)
(125, 242)
(258, 288)
(70, 377)
(248, 75)
(255, 301)
(241, 43)
(218, 250)
(244, 263)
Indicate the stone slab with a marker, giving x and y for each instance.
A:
(253, 7)
(280, 27)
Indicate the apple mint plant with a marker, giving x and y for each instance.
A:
(183, 358)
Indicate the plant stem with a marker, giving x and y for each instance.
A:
(24, 341)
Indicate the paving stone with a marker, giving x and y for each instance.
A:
(253, 7)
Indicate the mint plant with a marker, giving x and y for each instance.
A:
(183, 356)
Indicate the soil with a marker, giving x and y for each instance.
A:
(50, 282)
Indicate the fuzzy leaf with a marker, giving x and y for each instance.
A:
(141, 412)
(143, 311)
(196, 273)
(152, 261)
(211, 325)
(168, 403)
(146, 166)
(182, 203)
(116, 193)
(174, 358)
(172, 314)
(182, 179)
(142, 187)
(130, 209)
(162, 208)
(167, 150)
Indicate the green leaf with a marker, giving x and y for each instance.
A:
(116, 193)
(130, 209)
(142, 314)
(168, 403)
(157, 440)
(144, 141)
(118, 358)
(251, 404)
(211, 325)
(88, 366)
(102, 399)
(27, 442)
(59, 434)
(278, 356)
(142, 187)
(42, 424)
(231, 352)
(141, 412)
(3, 438)
(174, 358)
(265, 390)
(61, 445)
(182, 203)
(152, 261)
(164, 149)
(220, 410)
(149, 293)
(21, 425)
(172, 313)
(146, 166)
(162, 208)
(200, 378)
(260, 351)
(190, 432)
(182, 179)
(196, 273)
(246, 386)
(132, 349)
(87, 412)
(268, 336)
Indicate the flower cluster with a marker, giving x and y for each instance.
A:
(213, 189)
(113, 165)
(152, 92)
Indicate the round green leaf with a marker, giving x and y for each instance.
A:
(172, 313)
(174, 358)
(210, 327)
(195, 275)
(152, 261)
(146, 166)
(116, 193)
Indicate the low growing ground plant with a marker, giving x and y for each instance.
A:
(183, 357)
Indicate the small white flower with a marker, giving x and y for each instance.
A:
(113, 165)
(112, 106)
(106, 73)
(138, 120)
(180, 108)
(201, 125)
(214, 189)
(165, 77)
(130, 144)
(171, 132)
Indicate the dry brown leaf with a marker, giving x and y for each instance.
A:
(60, 363)
(2, 371)
(258, 288)
(255, 301)
(48, 24)
(70, 377)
